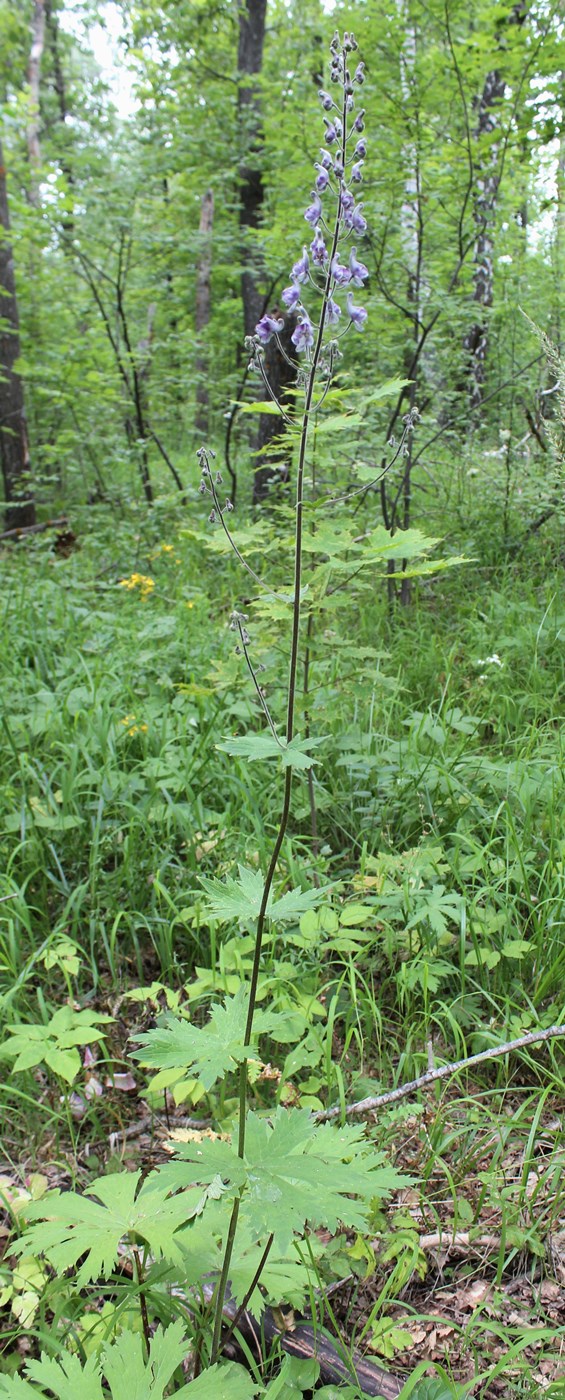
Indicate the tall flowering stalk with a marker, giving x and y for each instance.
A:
(327, 270)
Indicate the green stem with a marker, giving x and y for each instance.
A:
(283, 821)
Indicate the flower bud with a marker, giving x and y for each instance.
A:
(326, 100)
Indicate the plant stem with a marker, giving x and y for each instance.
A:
(283, 821)
(142, 1300)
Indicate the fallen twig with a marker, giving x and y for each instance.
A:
(368, 1105)
(21, 530)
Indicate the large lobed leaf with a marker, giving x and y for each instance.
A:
(294, 1173)
(92, 1225)
(127, 1373)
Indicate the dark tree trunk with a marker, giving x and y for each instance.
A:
(249, 62)
(202, 311)
(14, 451)
(273, 462)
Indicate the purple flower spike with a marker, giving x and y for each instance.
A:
(341, 273)
(357, 314)
(326, 160)
(361, 149)
(318, 249)
(326, 100)
(359, 272)
(267, 327)
(331, 132)
(303, 336)
(291, 296)
(357, 172)
(322, 178)
(300, 270)
(333, 312)
(314, 211)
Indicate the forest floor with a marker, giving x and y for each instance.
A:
(441, 828)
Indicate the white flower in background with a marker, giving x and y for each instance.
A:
(493, 660)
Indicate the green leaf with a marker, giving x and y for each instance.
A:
(258, 746)
(127, 1373)
(260, 406)
(389, 389)
(210, 1051)
(53, 1044)
(94, 1224)
(294, 1173)
(241, 899)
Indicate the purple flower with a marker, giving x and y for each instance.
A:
(341, 273)
(360, 73)
(267, 327)
(347, 200)
(314, 211)
(333, 312)
(357, 172)
(338, 167)
(322, 178)
(358, 221)
(326, 160)
(318, 249)
(350, 103)
(361, 149)
(359, 124)
(358, 270)
(300, 270)
(326, 100)
(291, 296)
(353, 218)
(331, 132)
(357, 314)
(303, 336)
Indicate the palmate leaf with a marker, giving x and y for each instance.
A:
(258, 746)
(93, 1224)
(128, 1374)
(241, 899)
(294, 1173)
(210, 1051)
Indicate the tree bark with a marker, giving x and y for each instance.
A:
(34, 77)
(61, 92)
(487, 182)
(252, 15)
(14, 451)
(272, 462)
(202, 311)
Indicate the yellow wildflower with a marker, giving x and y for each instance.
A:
(141, 581)
(132, 727)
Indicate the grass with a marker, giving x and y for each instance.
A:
(439, 817)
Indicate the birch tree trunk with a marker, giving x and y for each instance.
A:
(14, 452)
(34, 77)
(202, 311)
(487, 182)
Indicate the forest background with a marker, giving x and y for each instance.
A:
(143, 237)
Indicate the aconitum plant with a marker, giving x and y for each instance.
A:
(322, 298)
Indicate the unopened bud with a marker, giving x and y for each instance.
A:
(212, 517)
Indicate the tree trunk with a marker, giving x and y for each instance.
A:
(202, 312)
(273, 462)
(61, 92)
(487, 183)
(34, 76)
(14, 451)
(249, 61)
